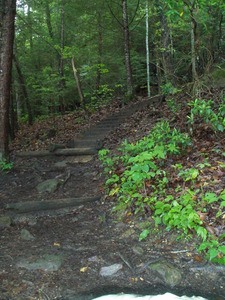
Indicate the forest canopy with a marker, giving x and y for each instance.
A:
(186, 40)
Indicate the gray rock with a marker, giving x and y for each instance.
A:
(47, 263)
(128, 233)
(61, 164)
(138, 250)
(49, 185)
(110, 270)
(170, 274)
(5, 221)
(26, 235)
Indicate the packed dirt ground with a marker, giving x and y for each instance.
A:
(87, 251)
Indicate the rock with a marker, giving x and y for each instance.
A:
(26, 235)
(47, 263)
(32, 221)
(5, 221)
(138, 250)
(170, 274)
(111, 270)
(49, 185)
(127, 233)
(61, 164)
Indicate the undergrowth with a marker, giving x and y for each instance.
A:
(171, 195)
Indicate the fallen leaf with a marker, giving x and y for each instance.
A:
(202, 215)
(57, 244)
(84, 269)
(198, 258)
(210, 229)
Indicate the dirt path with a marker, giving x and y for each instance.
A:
(82, 252)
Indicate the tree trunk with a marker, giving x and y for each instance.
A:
(13, 119)
(7, 19)
(166, 51)
(61, 62)
(79, 87)
(99, 51)
(220, 34)
(193, 41)
(48, 19)
(127, 50)
(23, 85)
(147, 51)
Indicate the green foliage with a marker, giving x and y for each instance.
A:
(202, 110)
(169, 89)
(5, 166)
(140, 183)
(173, 105)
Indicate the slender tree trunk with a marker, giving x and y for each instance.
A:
(127, 50)
(77, 78)
(165, 45)
(7, 19)
(98, 81)
(61, 62)
(159, 72)
(48, 19)
(13, 127)
(23, 85)
(193, 43)
(220, 34)
(147, 51)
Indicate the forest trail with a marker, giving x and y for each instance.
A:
(81, 150)
(84, 251)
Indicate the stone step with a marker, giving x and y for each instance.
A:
(75, 151)
(88, 143)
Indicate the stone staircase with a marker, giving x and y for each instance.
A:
(92, 139)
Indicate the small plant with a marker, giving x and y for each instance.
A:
(173, 105)
(204, 110)
(169, 89)
(4, 166)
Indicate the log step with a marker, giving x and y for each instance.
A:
(33, 206)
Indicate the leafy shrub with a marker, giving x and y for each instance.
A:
(203, 110)
(142, 186)
(5, 166)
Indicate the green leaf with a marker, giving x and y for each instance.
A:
(222, 249)
(203, 246)
(213, 253)
(210, 197)
(144, 234)
(222, 204)
(202, 232)
(220, 127)
(145, 168)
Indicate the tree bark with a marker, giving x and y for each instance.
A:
(79, 87)
(61, 61)
(23, 85)
(7, 19)
(147, 51)
(193, 43)
(48, 19)
(165, 45)
(127, 49)
(99, 51)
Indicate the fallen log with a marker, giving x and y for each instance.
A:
(31, 206)
(59, 152)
